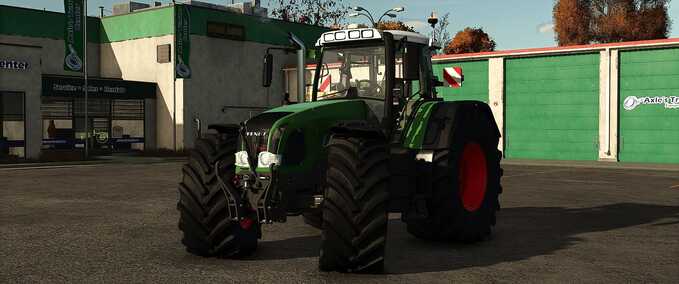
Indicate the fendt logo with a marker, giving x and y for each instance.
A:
(633, 102)
(255, 133)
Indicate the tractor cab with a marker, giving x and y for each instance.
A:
(385, 69)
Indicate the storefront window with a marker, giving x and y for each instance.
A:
(116, 125)
(12, 126)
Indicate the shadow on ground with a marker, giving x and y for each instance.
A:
(522, 232)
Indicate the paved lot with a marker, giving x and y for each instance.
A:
(117, 223)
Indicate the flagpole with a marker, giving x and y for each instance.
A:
(87, 128)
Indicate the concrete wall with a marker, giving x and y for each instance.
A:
(226, 83)
(136, 60)
(496, 94)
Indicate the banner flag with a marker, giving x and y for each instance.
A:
(73, 35)
(182, 41)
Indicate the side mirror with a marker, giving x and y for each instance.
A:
(267, 70)
(411, 62)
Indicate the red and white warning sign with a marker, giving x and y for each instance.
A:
(453, 76)
(325, 84)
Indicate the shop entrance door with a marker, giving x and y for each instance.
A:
(101, 133)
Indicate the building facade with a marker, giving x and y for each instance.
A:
(134, 99)
(607, 102)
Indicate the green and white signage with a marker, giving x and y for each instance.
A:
(182, 41)
(73, 35)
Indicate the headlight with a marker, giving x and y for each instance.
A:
(242, 159)
(266, 159)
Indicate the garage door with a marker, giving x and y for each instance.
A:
(551, 107)
(475, 86)
(649, 106)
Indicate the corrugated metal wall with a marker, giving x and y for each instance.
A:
(649, 132)
(551, 107)
(475, 85)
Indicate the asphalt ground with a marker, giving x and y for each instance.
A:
(118, 223)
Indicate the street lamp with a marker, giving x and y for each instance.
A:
(360, 11)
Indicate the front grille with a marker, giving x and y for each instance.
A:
(257, 130)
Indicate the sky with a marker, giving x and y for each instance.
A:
(512, 24)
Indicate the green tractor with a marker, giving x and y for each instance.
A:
(374, 139)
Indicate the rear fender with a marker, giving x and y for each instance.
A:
(435, 121)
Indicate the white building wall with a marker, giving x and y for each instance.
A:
(136, 60)
(226, 83)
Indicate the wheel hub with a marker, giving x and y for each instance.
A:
(473, 176)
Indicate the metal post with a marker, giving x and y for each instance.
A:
(87, 128)
(301, 66)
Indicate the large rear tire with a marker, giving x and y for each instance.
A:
(466, 184)
(354, 210)
(208, 227)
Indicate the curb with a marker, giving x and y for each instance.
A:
(593, 165)
(130, 161)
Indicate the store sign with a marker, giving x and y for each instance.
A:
(182, 41)
(58, 86)
(73, 35)
(12, 64)
(669, 102)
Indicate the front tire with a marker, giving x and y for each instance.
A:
(354, 209)
(208, 227)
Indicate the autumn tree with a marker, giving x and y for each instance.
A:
(393, 25)
(571, 22)
(313, 12)
(470, 40)
(585, 21)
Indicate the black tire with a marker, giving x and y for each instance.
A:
(354, 211)
(208, 228)
(313, 217)
(448, 218)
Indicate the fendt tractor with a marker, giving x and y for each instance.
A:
(373, 139)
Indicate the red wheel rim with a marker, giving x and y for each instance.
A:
(473, 176)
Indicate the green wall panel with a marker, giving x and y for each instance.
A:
(475, 85)
(141, 24)
(552, 107)
(649, 132)
(257, 29)
(38, 23)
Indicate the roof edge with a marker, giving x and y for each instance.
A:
(559, 49)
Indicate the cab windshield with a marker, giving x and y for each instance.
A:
(352, 72)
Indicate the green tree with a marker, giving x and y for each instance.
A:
(313, 12)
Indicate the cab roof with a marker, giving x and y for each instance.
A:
(353, 35)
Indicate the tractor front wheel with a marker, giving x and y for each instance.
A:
(354, 209)
(204, 194)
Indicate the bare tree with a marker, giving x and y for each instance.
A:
(313, 12)
(441, 31)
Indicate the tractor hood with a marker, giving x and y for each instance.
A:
(294, 108)
(305, 126)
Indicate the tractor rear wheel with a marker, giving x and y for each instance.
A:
(354, 209)
(466, 184)
(204, 195)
